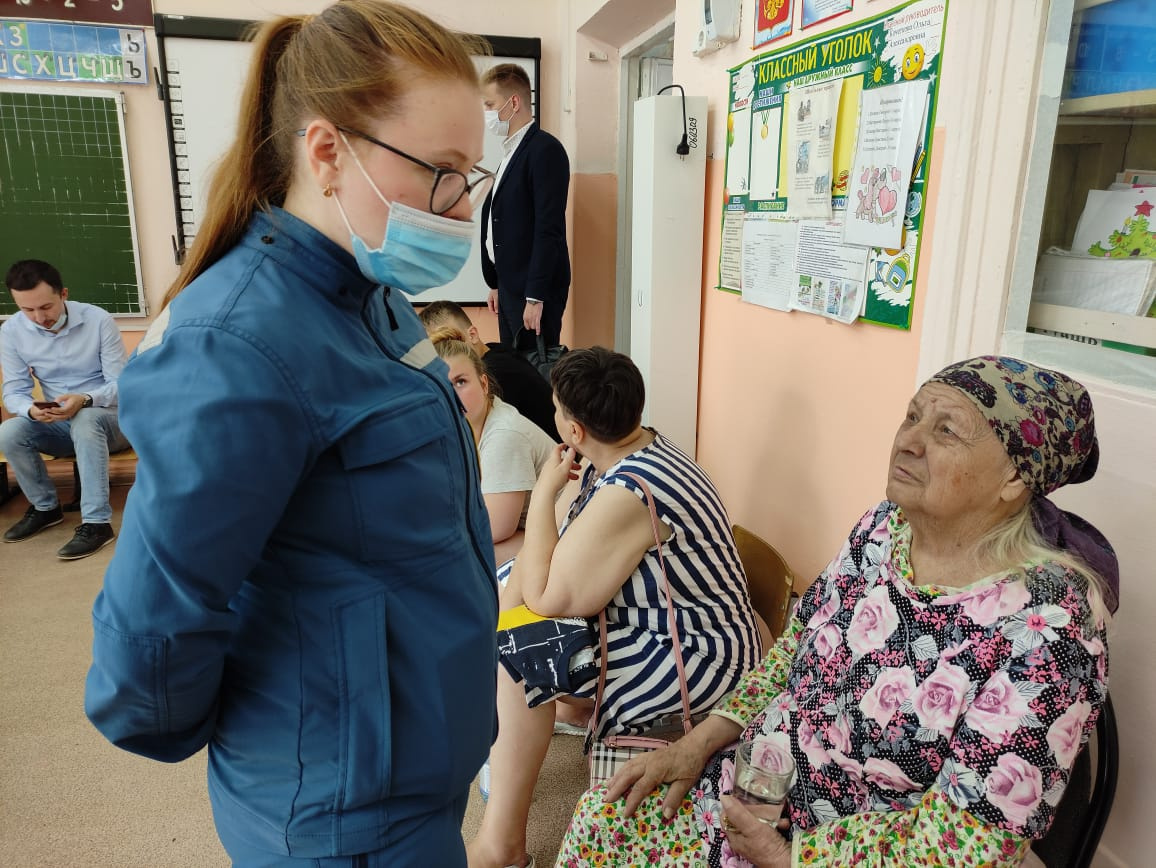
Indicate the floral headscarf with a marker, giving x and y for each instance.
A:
(1044, 420)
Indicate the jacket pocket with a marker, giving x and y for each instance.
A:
(405, 484)
(365, 741)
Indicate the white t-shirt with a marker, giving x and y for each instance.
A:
(512, 451)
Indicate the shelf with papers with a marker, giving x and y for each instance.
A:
(1119, 327)
(1126, 104)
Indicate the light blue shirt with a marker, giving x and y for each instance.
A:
(85, 357)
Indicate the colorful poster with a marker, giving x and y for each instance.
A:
(811, 114)
(890, 120)
(119, 13)
(1117, 223)
(48, 51)
(898, 45)
(739, 131)
(764, 153)
(830, 274)
(739, 140)
(817, 11)
(773, 20)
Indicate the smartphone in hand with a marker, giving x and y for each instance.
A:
(45, 405)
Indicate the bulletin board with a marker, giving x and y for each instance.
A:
(65, 195)
(901, 46)
(204, 62)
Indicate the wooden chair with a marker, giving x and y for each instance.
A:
(769, 578)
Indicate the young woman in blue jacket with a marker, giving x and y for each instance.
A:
(304, 579)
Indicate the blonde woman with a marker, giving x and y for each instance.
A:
(304, 581)
(512, 450)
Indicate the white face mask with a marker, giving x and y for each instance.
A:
(60, 323)
(494, 124)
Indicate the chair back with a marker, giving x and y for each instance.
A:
(769, 578)
(1083, 811)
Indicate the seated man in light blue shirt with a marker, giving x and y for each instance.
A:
(75, 351)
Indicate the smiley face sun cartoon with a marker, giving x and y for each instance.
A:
(913, 61)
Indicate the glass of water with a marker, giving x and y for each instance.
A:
(764, 771)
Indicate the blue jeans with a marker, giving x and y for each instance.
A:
(89, 436)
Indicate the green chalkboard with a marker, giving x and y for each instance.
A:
(65, 197)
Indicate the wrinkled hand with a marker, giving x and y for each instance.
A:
(492, 301)
(677, 765)
(70, 405)
(532, 318)
(752, 838)
(562, 467)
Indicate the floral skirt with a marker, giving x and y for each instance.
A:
(599, 835)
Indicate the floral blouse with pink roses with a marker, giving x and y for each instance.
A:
(924, 721)
(930, 726)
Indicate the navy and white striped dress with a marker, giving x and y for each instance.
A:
(716, 623)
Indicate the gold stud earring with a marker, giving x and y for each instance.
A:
(327, 191)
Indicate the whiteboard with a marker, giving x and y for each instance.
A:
(204, 78)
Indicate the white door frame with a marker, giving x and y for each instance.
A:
(631, 55)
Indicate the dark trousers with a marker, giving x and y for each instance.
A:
(510, 321)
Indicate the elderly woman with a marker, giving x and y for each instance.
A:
(935, 684)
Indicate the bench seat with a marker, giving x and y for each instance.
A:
(8, 489)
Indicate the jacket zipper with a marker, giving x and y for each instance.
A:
(462, 445)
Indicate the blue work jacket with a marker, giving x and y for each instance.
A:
(304, 576)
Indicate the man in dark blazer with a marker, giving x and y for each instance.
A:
(525, 260)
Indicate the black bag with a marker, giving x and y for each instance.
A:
(555, 655)
(532, 347)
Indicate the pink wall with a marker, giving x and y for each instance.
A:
(592, 254)
(796, 412)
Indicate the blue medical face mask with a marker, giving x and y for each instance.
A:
(419, 251)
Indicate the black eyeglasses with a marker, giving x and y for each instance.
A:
(449, 185)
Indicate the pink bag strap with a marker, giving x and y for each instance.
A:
(672, 625)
